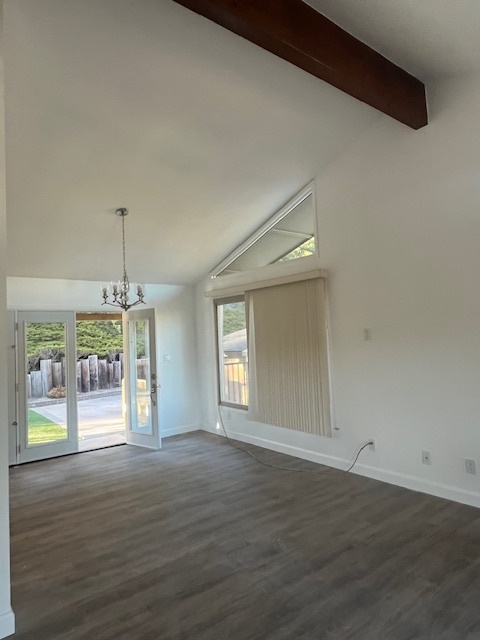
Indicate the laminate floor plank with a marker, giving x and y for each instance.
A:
(200, 542)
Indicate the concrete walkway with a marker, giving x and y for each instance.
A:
(98, 418)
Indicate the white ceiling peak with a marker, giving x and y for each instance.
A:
(203, 134)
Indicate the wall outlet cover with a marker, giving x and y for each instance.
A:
(426, 457)
(471, 467)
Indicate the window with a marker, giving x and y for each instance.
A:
(307, 248)
(273, 353)
(232, 351)
(279, 311)
(288, 235)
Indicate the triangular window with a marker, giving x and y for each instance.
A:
(288, 235)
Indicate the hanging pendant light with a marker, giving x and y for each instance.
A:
(120, 291)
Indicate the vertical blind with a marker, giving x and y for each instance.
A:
(288, 357)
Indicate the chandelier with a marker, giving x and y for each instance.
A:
(119, 291)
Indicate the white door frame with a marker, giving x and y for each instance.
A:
(26, 452)
(12, 389)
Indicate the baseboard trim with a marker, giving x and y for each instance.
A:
(208, 429)
(7, 624)
(176, 431)
(413, 483)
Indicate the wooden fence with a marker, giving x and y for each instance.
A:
(93, 374)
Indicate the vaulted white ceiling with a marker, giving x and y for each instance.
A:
(201, 134)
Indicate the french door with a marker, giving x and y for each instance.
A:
(47, 417)
(47, 392)
(141, 386)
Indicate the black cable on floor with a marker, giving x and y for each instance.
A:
(280, 468)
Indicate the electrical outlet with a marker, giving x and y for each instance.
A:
(373, 445)
(471, 467)
(426, 457)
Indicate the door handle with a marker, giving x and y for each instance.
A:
(153, 392)
(153, 389)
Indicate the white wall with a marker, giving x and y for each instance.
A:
(177, 363)
(399, 233)
(7, 621)
(174, 307)
(73, 295)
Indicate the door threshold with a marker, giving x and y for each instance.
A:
(67, 455)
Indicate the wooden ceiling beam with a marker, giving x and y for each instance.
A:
(297, 33)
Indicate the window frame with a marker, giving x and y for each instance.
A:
(218, 302)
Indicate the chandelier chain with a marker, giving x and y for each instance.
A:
(125, 277)
(120, 291)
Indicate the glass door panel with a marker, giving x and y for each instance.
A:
(141, 374)
(141, 392)
(46, 382)
(47, 397)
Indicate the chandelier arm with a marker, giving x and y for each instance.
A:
(134, 304)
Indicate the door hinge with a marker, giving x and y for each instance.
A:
(18, 449)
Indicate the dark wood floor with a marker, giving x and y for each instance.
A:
(200, 542)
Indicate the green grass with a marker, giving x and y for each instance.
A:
(42, 430)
